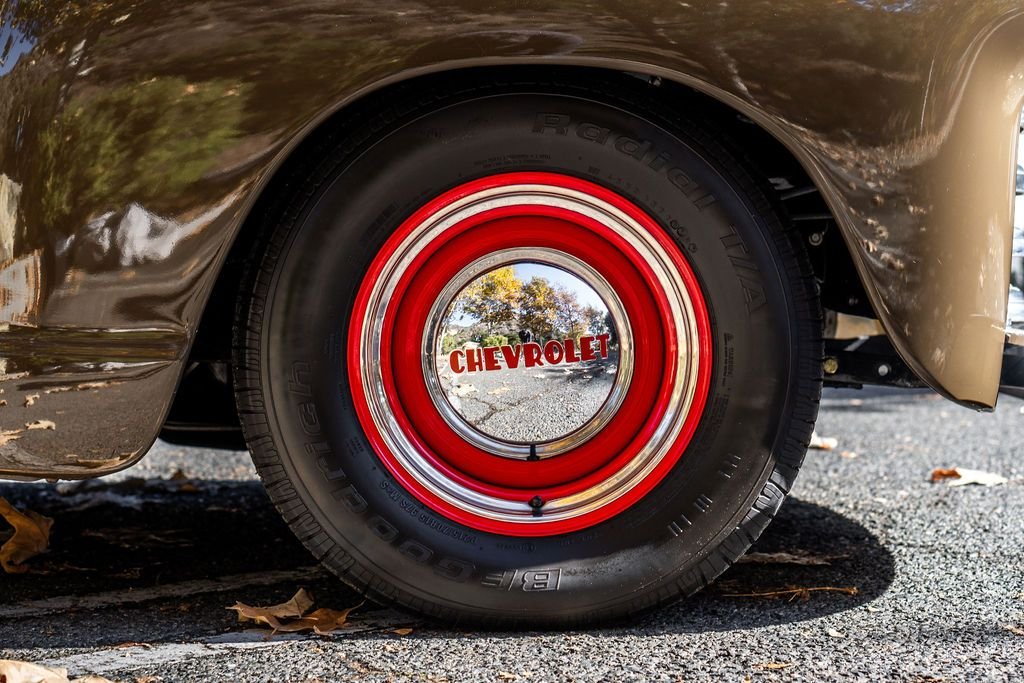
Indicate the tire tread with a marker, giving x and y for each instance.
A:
(327, 154)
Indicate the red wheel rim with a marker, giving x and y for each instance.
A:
(659, 330)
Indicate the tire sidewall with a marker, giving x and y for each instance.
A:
(400, 545)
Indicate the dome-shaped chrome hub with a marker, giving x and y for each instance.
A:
(528, 353)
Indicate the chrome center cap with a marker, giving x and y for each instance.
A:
(527, 353)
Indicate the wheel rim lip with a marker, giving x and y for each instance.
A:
(692, 351)
(576, 437)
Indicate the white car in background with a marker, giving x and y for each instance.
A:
(1016, 309)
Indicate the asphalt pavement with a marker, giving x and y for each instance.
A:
(142, 566)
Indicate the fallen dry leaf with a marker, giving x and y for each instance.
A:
(31, 400)
(774, 666)
(31, 537)
(797, 557)
(961, 476)
(940, 473)
(835, 634)
(401, 631)
(9, 436)
(41, 424)
(292, 617)
(822, 443)
(321, 621)
(1014, 629)
(299, 604)
(12, 671)
(794, 593)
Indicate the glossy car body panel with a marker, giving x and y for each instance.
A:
(136, 135)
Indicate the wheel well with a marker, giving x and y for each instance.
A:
(205, 392)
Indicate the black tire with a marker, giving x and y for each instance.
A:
(349, 193)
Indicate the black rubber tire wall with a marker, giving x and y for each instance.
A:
(349, 193)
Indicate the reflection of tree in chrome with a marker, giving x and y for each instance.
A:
(492, 300)
(499, 308)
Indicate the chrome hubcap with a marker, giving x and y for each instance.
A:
(556, 357)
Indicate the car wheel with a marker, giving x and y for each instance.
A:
(526, 353)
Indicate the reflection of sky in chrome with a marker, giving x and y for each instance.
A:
(13, 44)
(559, 278)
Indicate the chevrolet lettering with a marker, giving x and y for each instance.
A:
(530, 354)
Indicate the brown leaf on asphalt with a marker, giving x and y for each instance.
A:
(31, 537)
(41, 424)
(401, 631)
(31, 400)
(12, 671)
(941, 473)
(7, 436)
(321, 621)
(292, 617)
(774, 666)
(961, 476)
(800, 557)
(795, 593)
(1014, 629)
(299, 604)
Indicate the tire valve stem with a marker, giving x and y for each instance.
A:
(532, 457)
(537, 503)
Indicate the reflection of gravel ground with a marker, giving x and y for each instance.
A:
(531, 405)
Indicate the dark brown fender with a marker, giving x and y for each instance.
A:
(135, 136)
